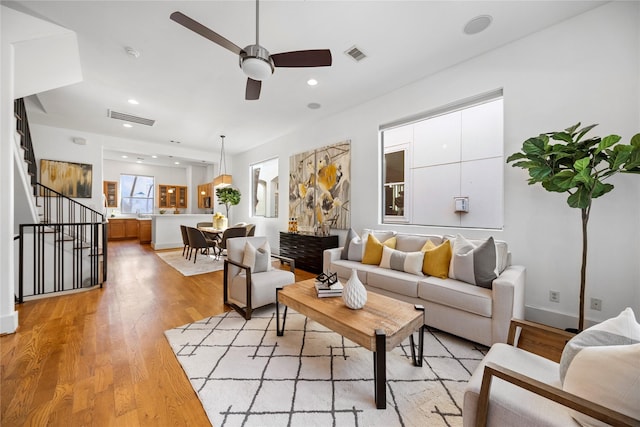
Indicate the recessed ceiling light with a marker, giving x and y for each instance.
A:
(478, 24)
(138, 161)
(312, 82)
(133, 101)
(124, 157)
(127, 125)
(313, 105)
(154, 157)
(176, 163)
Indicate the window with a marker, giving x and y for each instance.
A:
(264, 189)
(394, 183)
(137, 194)
(453, 153)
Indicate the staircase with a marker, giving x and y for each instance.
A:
(65, 251)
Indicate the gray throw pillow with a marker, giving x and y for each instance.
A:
(345, 250)
(475, 265)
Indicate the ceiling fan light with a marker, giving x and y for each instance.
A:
(256, 68)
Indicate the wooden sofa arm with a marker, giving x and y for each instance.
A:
(282, 259)
(539, 339)
(557, 395)
(286, 260)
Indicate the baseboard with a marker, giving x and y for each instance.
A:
(156, 247)
(554, 318)
(9, 323)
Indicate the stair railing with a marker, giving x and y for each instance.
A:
(68, 249)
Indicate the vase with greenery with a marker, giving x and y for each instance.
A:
(566, 162)
(228, 196)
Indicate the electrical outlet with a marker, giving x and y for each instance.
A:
(596, 304)
(554, 296)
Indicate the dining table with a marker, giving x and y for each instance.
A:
(212, 232)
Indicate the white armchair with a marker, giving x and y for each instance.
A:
(518, 383)
(250, 281)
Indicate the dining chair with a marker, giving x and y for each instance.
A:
(185, 239)
(230, 233)
(197, 240)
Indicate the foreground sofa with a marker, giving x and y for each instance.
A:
(477, 313)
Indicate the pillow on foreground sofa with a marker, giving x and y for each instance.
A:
(468, 287)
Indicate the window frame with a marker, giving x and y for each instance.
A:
(271, 193)
(150, 200)
(405, 218)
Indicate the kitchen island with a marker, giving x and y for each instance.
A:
(165, 229)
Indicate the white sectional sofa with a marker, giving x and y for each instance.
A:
(480, 314)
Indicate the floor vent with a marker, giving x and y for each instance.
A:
(355, 53)
(129, 118)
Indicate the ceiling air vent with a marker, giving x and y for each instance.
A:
(129, 118)
(355, 53)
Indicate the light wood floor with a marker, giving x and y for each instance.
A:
(100, 358)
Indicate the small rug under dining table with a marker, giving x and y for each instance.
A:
(246, 375)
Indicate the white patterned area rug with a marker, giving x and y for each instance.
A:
(245, 375)
(203, 264)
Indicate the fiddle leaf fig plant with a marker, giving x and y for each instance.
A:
(568, 162)
(228, 196)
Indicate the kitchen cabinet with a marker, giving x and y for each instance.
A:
(122, 228)
(172, 196)
(144, 231)
(110, 189)
(205, 196)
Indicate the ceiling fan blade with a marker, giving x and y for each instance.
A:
(303, 58)
(205, 32)
(253, 89)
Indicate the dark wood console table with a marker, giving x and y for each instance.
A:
(306, 249)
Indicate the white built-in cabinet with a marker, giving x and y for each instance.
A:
(457, 154)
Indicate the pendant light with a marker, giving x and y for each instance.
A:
(222, 180)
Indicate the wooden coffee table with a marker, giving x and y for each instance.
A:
(379, 326)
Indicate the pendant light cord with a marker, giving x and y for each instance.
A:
(223, 160)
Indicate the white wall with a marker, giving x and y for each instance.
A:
(8, 315)
(584, 69)
(57, 144)
(190, 176)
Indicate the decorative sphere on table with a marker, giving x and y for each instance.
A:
(354, 293)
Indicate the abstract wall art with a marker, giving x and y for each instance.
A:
(70, 179)
(320, 187)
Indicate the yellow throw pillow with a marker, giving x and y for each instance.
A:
(436, 259)
(373, 249)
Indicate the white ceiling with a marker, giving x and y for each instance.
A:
(194, 89)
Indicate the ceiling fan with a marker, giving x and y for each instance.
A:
(255, 60)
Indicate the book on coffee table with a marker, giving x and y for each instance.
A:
(323, 290)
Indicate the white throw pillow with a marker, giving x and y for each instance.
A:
(602, 364)
(347, 251)
(259, 259)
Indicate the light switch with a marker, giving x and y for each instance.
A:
(461, 204)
